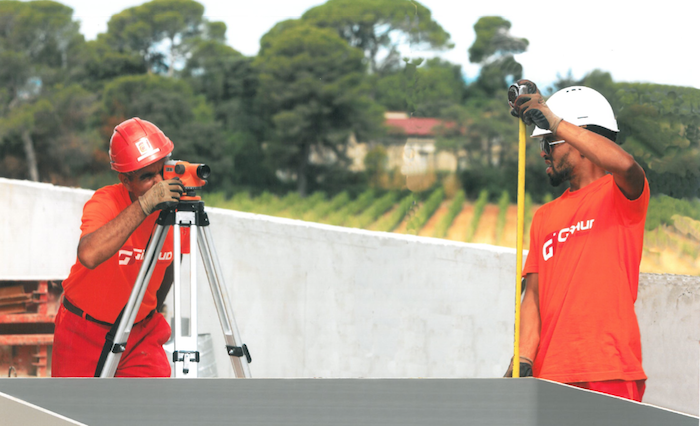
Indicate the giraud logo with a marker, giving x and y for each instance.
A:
(549, 247)
(130, 255)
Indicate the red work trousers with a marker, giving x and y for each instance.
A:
(77, 345)
(633, 390)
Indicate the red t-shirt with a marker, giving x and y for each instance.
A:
(103, 292)
(586, 247)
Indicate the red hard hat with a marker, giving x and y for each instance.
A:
(136, 144)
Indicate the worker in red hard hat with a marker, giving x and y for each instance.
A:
(578, 325)
(116, 227)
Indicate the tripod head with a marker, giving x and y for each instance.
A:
(193, 176)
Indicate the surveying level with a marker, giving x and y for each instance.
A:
(188, 215)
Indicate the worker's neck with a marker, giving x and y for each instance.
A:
(584, 176)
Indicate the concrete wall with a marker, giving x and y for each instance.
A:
(39, 229)
(313, 300)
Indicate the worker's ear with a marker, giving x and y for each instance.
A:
(125, 180)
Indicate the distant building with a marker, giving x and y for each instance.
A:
(409, 143)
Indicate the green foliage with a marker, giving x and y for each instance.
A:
(376, 209)
(372, 25)
(421, 89)
(312, 95)
(426, 211)
(57, 124)
(375, 164)
(453, 210)
(98, 63)
(301, 206)
(241, 201)
(341, 216)
(323, 209)
(390, 222)
(478, 211)
(662, 208)
(162, 32)
(494, 48)
(492, 39)
(686, 226)
(503, 204)
(42, 120)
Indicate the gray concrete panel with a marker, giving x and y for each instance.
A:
(308, 402)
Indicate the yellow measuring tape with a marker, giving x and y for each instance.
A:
(519, 246)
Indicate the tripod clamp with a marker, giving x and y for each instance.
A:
(185, 357)
(239, 351)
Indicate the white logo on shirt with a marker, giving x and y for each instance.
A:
(549, 246)
(129, 255)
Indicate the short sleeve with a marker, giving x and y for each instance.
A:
(532, 261)
(632, 211)
(99, 210)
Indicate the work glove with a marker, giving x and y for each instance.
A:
(520, 87)
(532, 109)
(164, 194)
(525, 367)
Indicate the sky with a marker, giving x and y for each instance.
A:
(656, 42)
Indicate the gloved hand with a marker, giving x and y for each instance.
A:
(525, 368)
(533, 109)
(520, 87)
(163, 194)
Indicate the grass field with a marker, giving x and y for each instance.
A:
(667, 249)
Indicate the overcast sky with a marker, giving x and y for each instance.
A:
(654, 42)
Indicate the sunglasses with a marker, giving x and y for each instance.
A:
(546, 144)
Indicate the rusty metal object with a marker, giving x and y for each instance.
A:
(27, 313)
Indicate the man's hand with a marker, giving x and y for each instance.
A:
(525, 368)
(161, 195)
(533, 109)
(520, 87)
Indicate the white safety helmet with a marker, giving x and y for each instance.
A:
(580, 106)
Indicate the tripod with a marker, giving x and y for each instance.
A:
(189, 214)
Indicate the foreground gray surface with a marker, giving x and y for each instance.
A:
(106, 402)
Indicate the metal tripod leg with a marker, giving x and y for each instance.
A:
(185, 344)
(132, 306)
(238, 352)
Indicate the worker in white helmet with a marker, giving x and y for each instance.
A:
(117, 224)
(578, 324)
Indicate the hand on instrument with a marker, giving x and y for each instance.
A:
(525, 368)
(163, 194)
(520, 87)
(532, 109)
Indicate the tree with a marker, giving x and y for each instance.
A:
(313, 95)
(485, 134)
(493, 49)
(372, 25)
(230, 83)
(98, 63)
(38, 41)
(143, 30)
(422, 89)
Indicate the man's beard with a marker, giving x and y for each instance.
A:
(561, 174)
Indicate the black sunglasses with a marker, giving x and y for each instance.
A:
(546, 144)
